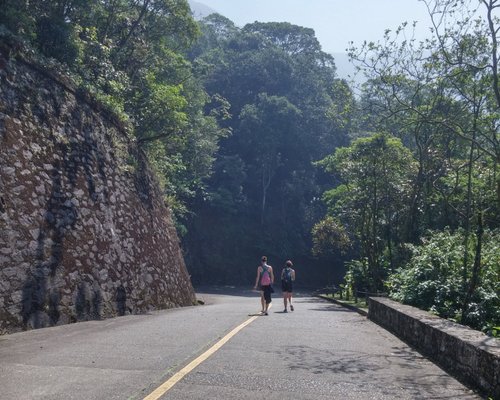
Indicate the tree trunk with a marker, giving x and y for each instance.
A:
(134, 26)
(476, 269)
(109, 20)
(490, 6)
(389, 246)
(266, 182)
(413, 226)
(469, 200)
(375, 255)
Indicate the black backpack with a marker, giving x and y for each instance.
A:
(287, 274)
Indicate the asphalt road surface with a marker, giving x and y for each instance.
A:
(319, 351)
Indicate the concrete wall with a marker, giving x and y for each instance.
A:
(470, 355)
(84, 232)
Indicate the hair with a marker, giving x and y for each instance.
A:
(264, 258)
(289, 263)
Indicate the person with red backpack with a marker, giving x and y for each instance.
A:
(264, 280)
(287, 279)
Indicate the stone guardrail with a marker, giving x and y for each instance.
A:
(469, 355)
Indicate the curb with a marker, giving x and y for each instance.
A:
(350, 307)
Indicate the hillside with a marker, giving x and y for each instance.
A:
(200, 10)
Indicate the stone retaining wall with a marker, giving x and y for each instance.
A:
(84, 231)
(469, 355)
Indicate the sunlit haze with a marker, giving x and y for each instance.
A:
(336, 22)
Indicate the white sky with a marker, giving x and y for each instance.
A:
(336, 22)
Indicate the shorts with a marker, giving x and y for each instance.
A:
(286, 286)
(267, 293)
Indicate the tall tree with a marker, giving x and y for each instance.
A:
(440, 97)
(372, 199)
(284, 98)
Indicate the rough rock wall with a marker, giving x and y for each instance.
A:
(83, 233)
(469, 355)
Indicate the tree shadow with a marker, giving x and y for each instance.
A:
(241, 291)
(2, 203)
(144, 181)
(416, 382)
(121, 300)
(333, 309)
(325, 305)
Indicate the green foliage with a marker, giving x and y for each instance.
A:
(357, 276)
(282, 92)
(234, 120)
(15, 18)
(161, 110)
(441, 99)
(130, 56)
(293, 39)
(372, 200)
(57, 38)
(494, 331)
(432, 279)
(328, 236)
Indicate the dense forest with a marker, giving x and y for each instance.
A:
(261, 149)
(263, 196)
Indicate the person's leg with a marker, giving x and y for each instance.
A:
(267, 298)
(285, 295)
(262, 301)
(290, 300)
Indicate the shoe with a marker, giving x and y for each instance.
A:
(291, 307)
(265, 313)
(285, 310)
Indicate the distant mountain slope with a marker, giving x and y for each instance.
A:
(345, 70)
(200, 10)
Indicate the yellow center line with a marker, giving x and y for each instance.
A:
(167, 385)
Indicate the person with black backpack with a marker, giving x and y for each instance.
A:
(287, 279)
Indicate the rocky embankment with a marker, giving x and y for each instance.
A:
(84, 232)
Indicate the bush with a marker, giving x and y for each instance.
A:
(433, 279)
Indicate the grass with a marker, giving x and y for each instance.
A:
(359, 304)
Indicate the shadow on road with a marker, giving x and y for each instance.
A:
(371, 367)
(226, 290)
(333, 309)
(242, 291)
(324, 305)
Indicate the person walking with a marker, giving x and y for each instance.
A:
(287, 279)
(264, 280)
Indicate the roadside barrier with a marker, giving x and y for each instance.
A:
(469, 355)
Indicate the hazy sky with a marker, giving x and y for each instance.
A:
(336, 22)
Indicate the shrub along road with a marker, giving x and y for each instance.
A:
(320, 351)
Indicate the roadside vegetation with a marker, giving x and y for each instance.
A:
(260, 148)
(419, 201)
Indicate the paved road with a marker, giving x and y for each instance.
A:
(320, 351)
